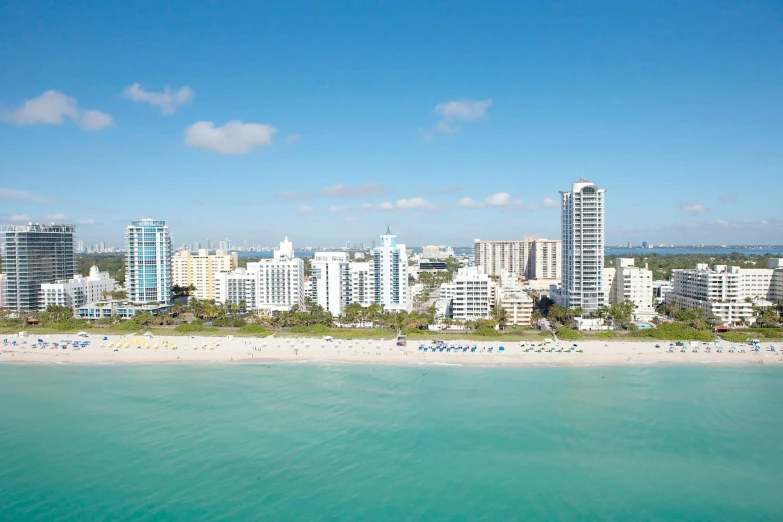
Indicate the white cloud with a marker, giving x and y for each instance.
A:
(55, 217)
(337, 208)
(347, 191)
(501, 199)
(692, 207)
(467, 202)
(234, 137)
(304, 209)
(168, 100)
(292, 138)
(416, 203)
(53, 108)
(549, 203)
(22, 195)
(88, 221)
(21, 217)
(95, 120)
(463, 110)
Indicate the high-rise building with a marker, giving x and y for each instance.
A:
(390, 273)
(78, 291)
(270, 285)
(148, 261)
(531, 258)
(33, 255)
(582, 224)
(200, 270)
(80, 247)
(330, 274)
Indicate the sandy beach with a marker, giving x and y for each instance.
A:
(136, 349)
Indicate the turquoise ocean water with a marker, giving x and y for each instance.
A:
(345, 442)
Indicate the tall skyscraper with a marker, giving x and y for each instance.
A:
(148, 261)
(582, 224)
(33, 255)
(390, 271)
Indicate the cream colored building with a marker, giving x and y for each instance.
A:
(513, 297)
(531, 257)
(200, 270)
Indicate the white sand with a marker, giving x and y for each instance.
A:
(135, 349)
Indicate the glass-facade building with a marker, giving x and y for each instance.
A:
(148, 261)
(33, 255)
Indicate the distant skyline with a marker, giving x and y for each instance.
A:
(324, 122)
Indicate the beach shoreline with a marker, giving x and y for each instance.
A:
(134, 349)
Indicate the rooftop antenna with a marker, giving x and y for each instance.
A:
(388, 230)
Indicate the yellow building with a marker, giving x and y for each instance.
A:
(200, 270)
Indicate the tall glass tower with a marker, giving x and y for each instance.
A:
(582, 224)
(390, 273)
(148, 261)
(33, 255)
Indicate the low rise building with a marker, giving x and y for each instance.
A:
(437, 252)
(723, 291)
(471, 294)
(123, 309)
(661, 289)
(75, 292)
(628, 282)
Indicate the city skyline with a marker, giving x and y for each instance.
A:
(248, 116)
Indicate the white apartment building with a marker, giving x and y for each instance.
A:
(269, 285)
(531, 258)
(582, 224)
(361, 286)
(148, 261)
(329, 273)
(437, 252)
(661, 289)
(722, 291)
(629, 282)
(390, 274)
(200, 269)
(472, 294)
(78, 291)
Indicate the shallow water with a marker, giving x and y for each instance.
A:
(356, 442)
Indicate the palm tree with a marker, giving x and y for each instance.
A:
(501, 316)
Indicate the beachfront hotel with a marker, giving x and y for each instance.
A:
(529, 258)
(33, 255)
(269, 285)
(78, 291)
(390, 273)
(199, 269)
(582, 228)
(337, 282)
(148, 261)
(723, 291)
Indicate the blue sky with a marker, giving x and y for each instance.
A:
(449, 120)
